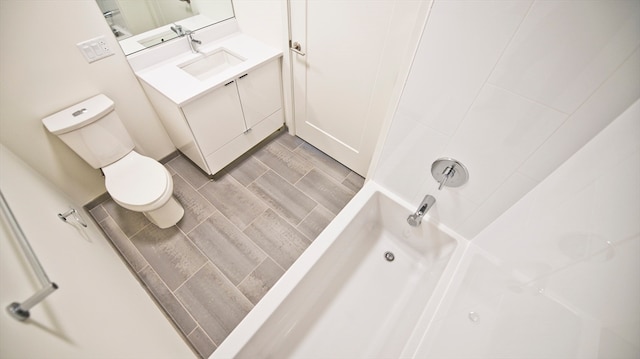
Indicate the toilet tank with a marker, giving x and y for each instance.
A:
(93, 130)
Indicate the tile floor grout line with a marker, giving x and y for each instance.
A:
(173, 291)
(306, 161)
(305, 217)
(233, 285)
(256, 217)
(249, 275)
(251, 272)
(124, 235)
(276, 211)
(196, 190)
(150, 290)
(255, 179)
(208, 337)
(258, 246)
(298, 150)
(215, 210)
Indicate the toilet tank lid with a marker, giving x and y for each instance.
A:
(78, 115)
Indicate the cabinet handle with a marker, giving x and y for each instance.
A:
(229, 83)
(243, 76)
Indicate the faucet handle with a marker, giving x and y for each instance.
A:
(178, 29)
(449, 172)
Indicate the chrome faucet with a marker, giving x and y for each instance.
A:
(415, 219)
(178, 29)
(192, 41)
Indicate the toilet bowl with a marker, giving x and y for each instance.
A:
(94, 131)
(141, 184)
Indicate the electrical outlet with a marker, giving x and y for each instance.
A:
(95, 49)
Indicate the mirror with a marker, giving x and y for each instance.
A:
(139, 24)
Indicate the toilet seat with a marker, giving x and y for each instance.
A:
(138, 183)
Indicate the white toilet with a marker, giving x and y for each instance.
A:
(94, 131)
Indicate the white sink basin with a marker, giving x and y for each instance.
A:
(211, 64)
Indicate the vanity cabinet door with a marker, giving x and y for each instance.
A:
(260, 93)
(216, 118)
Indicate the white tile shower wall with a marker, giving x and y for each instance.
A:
(564, 50)
(510, 118)
(556, 276)
(620, 90)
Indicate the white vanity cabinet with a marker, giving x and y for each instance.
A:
(216, 118)
(225, 122)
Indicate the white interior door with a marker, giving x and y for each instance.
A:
(345, 76)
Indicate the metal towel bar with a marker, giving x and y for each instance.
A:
(20, 311)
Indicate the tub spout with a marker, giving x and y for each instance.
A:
(415, 219)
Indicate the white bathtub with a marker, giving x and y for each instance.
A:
(343, 299)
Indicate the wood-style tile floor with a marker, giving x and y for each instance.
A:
(238, 236)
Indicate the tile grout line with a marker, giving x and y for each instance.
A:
(173, 291)
(275, 210)
(124, 235)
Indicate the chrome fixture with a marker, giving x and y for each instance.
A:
(192, 41)
(74, 215)
(20, 311)
(449, 172)
(178, 29)
(296, 47)
(415, 219)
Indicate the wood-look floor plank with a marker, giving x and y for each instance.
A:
(323, 162)
(216, 304)
(316, 222)
(196, 207)
(201, 342)
(167, 300)
(258, 283)
(170, 253)
(325, 190)
(288, 141)
(353, 182)
(229, 249)
(129, 221)
(279, 239)
(233, 200)
(123, 243)
(248, 170)
(288, 201)
(287, 164)
(187, 170)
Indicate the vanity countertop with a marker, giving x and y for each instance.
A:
(180, 87)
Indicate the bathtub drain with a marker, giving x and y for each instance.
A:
(389, 256)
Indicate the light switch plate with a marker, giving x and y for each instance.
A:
(95, 49)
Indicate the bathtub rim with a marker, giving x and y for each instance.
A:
(249, 326)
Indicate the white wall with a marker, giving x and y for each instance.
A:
(99, 310)
(42, 72)
(264, 20)
(558, 274)
(511, 89)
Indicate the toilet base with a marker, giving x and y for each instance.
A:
(167, 215)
